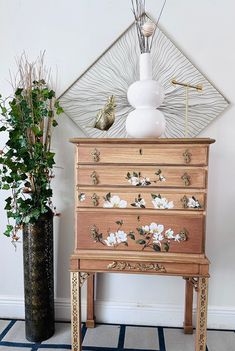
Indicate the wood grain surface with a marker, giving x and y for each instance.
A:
(105, 222)
(117, 175)
(144, 154)
(85, 198)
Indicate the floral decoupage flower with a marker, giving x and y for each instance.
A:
(193, 202)
(114, 201)
(121, 236)
(161, 202)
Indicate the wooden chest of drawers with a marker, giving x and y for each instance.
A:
(141, 207)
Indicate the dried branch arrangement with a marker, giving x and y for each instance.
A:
(145, 27)
(26, 161)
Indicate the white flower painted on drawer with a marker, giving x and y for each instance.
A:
(193, 203)
(156, 237)
(161, 202)
(117, 238)
(139, 202)
(114, 201)
(137, 179)
(153, 236)
(160, 176)
(81, 197)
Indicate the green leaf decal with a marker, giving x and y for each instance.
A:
(141, 242)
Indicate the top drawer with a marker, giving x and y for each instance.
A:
(143, 154)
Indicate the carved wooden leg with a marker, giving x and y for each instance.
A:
(202, 297)
(76, 311)
(188, 309)
(90, 323)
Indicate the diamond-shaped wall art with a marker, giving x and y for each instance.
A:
(117, 68)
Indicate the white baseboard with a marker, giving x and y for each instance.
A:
(126, 313)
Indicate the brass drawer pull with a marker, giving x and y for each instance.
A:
(184, 201)
(96, 155)
(187, 156)
(95, 200)
(94, 178)
(186, 178)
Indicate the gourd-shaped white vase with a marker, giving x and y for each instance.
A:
(145, 95)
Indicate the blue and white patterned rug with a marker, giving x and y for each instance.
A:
(112, 337)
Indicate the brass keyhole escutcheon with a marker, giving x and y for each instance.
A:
(96, 155)
(140, 151)
(187, 156)
(183, 234)
(94, 178)
(95, 199)
(186, 179)
(138, 218)
(184, 201)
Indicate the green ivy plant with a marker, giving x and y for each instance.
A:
(26, 161)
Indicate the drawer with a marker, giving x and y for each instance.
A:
(135, 231)
(143, 154)
(140, 267)
(147, 198)
(142, 176)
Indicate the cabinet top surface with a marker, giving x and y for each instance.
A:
(142, 141)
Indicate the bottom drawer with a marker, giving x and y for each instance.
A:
(140, 267)
(132, 231)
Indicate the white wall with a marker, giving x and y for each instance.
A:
(74, 33)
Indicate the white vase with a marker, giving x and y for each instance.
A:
(145, 95)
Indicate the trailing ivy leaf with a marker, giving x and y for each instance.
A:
(56, 104)
(59, 110)
(50, 113)
(10, 214)
(26, 161)
(8, 230)
(18, 91)
(6, 187)
(7, 207)
(37, 131)
(54, 123)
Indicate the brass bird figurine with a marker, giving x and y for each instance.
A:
(106, 116)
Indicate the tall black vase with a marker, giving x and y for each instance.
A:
(39, 278)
